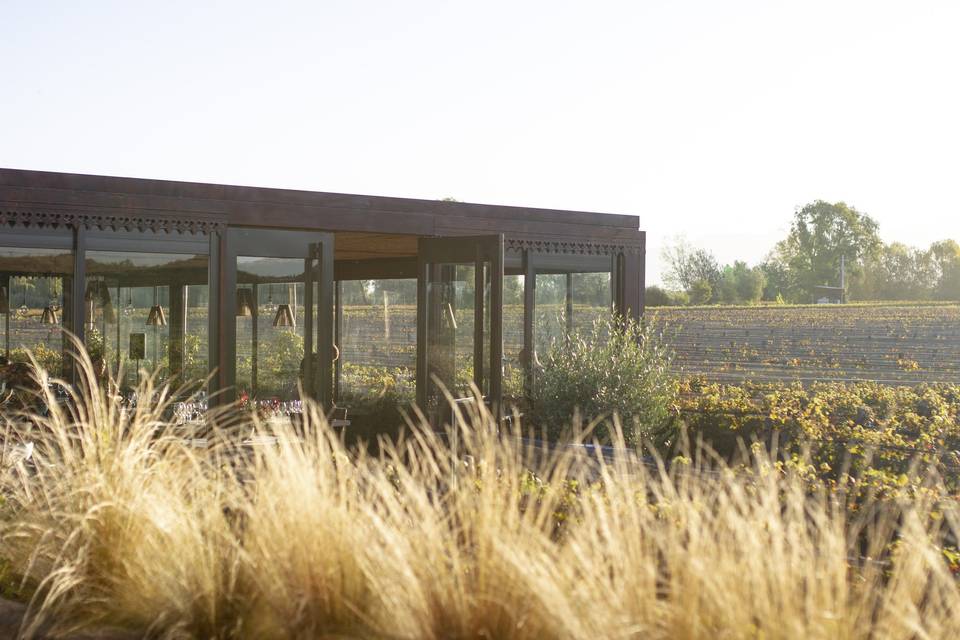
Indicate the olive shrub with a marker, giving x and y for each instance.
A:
(615, 367)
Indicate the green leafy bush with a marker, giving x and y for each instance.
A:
(372, 389)
(48, 359)
(701, 292)
(615, 366)
(657, 297)
(279, 365)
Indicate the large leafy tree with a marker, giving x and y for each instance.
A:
(820, 235)
(900, 272)
(741, 284)
(750, 282)
(897, 272)
(776, 277)
(687, 265)
(944, 257)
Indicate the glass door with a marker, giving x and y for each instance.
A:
(279, 308)
(460, 336)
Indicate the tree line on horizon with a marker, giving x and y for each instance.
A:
(821, 235)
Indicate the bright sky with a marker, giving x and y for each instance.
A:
(710, 119)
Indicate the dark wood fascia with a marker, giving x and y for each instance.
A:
(43, 198)
(312, 199)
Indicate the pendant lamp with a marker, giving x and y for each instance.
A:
(97, 292)
(244, 303)
(156, 317)
(284, 317)
(270, 306)
(90, 296)
(109, 316)
(51, 312)
(49, 316)
(92, 290)
(91, 322)
(103, 295)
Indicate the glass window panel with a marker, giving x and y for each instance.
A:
(147, 311)
(451, 338)
(591, 298)
(550, 323)
(271, 322)
(566, 301)
(513, 366)
(486, 338)
(35, 287)
(378, 344)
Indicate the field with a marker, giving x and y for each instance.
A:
(887, 343)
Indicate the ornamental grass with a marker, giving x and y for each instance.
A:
(467, 532)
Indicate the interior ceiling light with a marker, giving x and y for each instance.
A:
(108, 314)
(49, 316)
(244, 303)
(90, 294)
(284, 317)
(156, 317)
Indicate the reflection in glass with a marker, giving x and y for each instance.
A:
(566, 301)
(452, 342)
(274, 314)
(513, 356)
(377, 339)
(147, 311)
(591, 298)
(34, 290)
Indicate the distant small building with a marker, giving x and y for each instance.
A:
(823, 294)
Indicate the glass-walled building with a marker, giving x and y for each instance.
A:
(267, 295)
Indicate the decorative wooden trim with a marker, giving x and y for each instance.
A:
(569, 247)
(31, 217)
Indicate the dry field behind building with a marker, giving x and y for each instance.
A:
(889, 343)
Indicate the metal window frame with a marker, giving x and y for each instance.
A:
(275, 243)
(479, 250)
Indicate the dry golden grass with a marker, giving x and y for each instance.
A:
(121, 524)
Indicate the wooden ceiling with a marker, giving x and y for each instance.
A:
(351, 245)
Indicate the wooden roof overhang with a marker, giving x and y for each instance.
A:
(40, 198)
